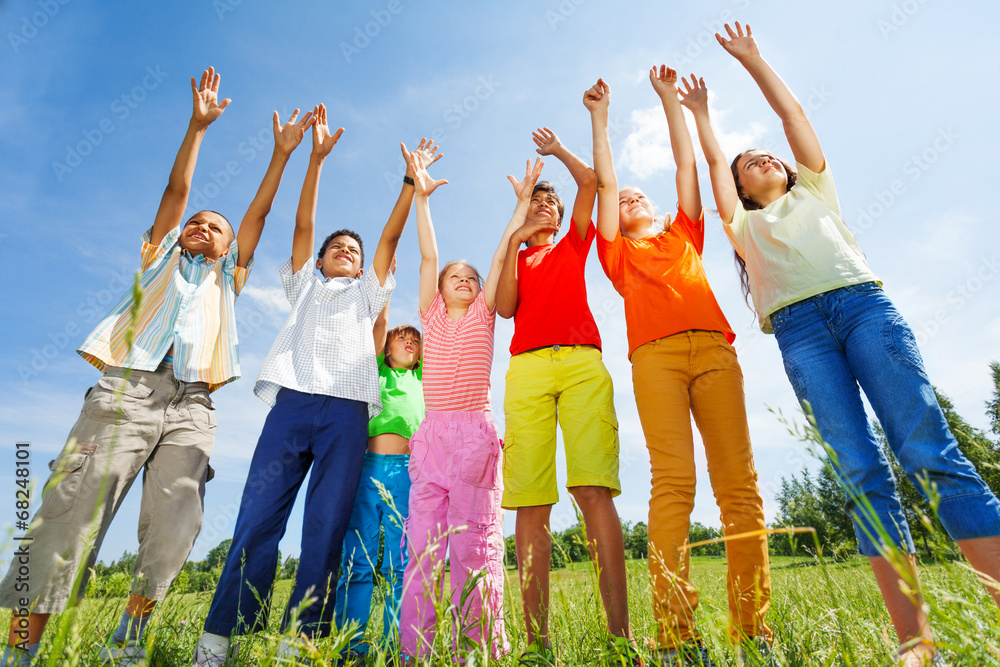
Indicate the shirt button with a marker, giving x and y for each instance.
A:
(555, 348)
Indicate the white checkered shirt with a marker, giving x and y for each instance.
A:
(326, 345)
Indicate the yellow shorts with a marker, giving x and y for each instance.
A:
(571, 382)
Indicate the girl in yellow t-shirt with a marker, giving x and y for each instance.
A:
(836, 330)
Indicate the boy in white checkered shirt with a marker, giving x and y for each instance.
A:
(321, 379)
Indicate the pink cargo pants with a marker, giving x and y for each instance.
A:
(456, 484)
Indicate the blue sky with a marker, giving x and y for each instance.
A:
(94, 100)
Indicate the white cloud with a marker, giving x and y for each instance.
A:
(269, 299)
(647, 147)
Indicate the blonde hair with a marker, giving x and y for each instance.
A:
(454, 262)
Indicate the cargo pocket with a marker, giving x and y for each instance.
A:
(202, 412)
(63, 485)
(114, 400)
(480, 467)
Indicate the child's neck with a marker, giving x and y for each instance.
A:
(456, 311)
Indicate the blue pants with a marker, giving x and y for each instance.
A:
(354, 591)
(832, 343)
(301, 429)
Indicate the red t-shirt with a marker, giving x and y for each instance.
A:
(663, 282)
(552, 304)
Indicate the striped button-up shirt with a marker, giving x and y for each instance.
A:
(326, 345)
(188, 303)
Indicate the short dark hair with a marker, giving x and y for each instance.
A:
(342, 232)
(545, 186)
(232, 232)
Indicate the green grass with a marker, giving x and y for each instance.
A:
(822, 614)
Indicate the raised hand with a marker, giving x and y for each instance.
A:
(546, 140)
(425, 148)
(664, 81)
(738, 45)
(524, 187)
(417, 161)
(206, 98)
(323, 141)
(289, 135)
(597, 96)
(695, 94)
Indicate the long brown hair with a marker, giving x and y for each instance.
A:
(749, 204)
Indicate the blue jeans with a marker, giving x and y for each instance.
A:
(354, 591)
(832, 343)
(330, 435)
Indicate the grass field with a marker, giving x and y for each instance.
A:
(822, 614)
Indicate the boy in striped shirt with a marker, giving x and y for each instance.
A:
(151, 410)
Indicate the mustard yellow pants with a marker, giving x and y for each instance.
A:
(696, 373)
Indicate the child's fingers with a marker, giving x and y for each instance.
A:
(295, 114)
(224, 103)
(336, 135)
(749, 34)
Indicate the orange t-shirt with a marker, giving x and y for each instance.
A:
(663, 282)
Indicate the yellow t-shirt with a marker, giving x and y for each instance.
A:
(798, 246)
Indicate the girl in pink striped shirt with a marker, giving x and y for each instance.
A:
(455, 455)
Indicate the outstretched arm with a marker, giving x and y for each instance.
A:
(597, 99)
(207, 109)
(303, 239)
(586, 180)
(798, 130)
(664, 82)
(387, 244)
(519, 232)
(286, 138)
(379, 329)
(523, 190)
(425, 186)
(695, 97)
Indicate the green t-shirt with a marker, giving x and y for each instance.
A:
(402, 393)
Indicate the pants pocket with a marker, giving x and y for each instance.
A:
(481, 468)
(63, 485)
(113, 400)
(202, 412)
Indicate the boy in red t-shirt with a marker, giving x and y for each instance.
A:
(556, 371)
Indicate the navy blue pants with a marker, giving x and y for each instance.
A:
(302, 430)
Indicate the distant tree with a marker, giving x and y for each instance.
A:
(216, 557)
(993, 406)
(574, 540)
(510, 551)
(289, 568)
(636, 540)
(699, 533)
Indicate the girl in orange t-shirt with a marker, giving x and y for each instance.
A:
(683, 363)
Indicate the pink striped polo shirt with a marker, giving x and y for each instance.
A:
(458, 356)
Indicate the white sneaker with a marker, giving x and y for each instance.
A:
(288, 650)
(129, 653)
(213, 654)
